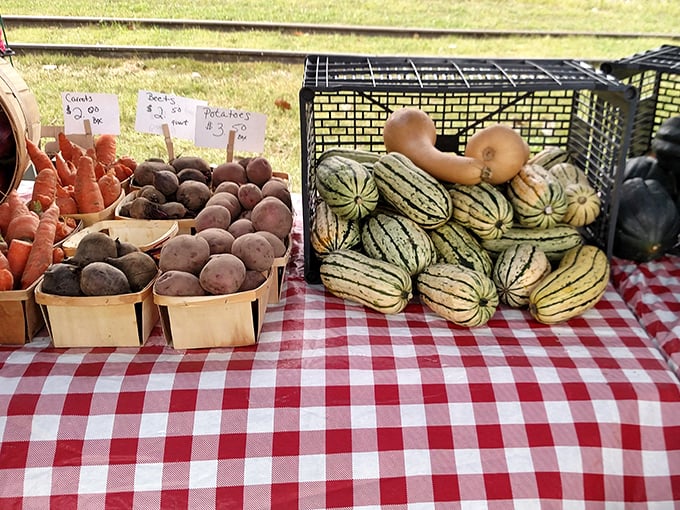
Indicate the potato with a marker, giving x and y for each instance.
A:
(227, 200)
(272, 215)
(241, 226)
(193, 195)
(252, 280)
(277, 188)
(213, 216)
(229, 172)
(228, 186)
(220, 240)
(102, 279)
(249, 194)
(223, 274)
(254, 250)
(258, 170)
(178, 283)
(278, 245)
(184, 252)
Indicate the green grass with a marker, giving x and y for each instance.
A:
(255, 86)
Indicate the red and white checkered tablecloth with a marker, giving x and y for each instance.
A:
(652, 291)
(341, 407)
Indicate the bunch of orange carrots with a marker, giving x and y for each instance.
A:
(77, 181)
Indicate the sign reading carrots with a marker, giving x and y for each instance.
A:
(100, 110)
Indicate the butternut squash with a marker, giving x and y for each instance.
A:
(502, 150)
(411, 132)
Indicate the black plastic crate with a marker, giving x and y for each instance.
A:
(656, 75)
(345, 100)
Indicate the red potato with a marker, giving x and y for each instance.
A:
(241, 226)
(249, 195)
(223, 274)
(184, 252)
(213, 216)
(229, 172)
(252, 280)
(258, 170)
(228, 187)
(272, 215)
(178, 283)
(227, 200)
(278, 245)
(254, 250)
(277, 188)
(220, 240)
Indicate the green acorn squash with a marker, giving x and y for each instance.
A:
(648, 222)
(666, 144)
(647, 167)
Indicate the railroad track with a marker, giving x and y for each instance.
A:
(225, 54)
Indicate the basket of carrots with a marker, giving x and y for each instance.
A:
(30, 240)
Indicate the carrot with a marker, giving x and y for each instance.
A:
(105, 148)
(40, 257)
(16, 205)
(38, 157)
(17, 256)
(86, 191)
(64, 228)
(99, 170)
(45, 187)
(5, 216)
(110, 187)
(6, 280)
(127, 161)
(57, 255)
(66, 146)
(64, 171)
(65, 200)
(122, 172)
(22, 227)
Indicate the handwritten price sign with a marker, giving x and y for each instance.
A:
(214, 124)
(101, 110)
(156, 109)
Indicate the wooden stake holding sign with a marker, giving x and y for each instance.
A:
(168, 142)
(230, 145)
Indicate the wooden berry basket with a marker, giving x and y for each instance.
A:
(123, 320)
(227, 320)
(20, 316)
(147, 235)
(106, 214)
(185, 226)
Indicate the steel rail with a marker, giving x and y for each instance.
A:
(65, 21)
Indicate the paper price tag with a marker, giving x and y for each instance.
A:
(156, 109)
(101, 110)
(214, 124)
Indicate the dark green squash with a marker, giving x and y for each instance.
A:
(647, 167)
(666, 144)
(648, 222)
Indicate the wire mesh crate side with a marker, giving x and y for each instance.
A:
(592, 122)
(656, 76)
